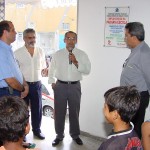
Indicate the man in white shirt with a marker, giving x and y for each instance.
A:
(67, 66)
(32, 63)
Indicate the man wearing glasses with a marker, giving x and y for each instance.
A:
(67, 66)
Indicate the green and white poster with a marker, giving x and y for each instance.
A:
(115, 20)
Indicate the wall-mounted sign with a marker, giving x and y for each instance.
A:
(115, 20)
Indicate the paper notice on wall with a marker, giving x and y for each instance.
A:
(115, 20)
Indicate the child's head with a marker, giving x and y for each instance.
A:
(124, 100)
(14, 118)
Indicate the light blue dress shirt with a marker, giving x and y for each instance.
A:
(8, 65)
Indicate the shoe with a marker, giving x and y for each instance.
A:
(56, 142)
(39, 135)
(78, 141)
(29, 145)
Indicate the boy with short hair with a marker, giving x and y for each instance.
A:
(121, 104)
(14, 122)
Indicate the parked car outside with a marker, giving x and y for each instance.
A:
(47, 98)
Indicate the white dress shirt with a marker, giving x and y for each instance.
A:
(31, 66)
(62, 70)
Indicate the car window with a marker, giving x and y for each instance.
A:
(44, 90)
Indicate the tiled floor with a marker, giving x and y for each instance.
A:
(47, 128)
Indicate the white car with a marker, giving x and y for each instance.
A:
(47, 98)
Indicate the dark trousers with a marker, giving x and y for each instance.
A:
(140, 115)
(5, 92)
(63, 94)
(34, 99)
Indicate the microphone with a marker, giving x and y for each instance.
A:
(70, 53)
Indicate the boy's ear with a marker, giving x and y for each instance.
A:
(27, 129)
(115, 115)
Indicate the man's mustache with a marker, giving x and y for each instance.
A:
(33, 42)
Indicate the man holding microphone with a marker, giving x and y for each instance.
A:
(67, 66)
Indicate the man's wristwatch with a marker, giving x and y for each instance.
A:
(23, 89)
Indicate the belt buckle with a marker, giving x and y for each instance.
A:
(68, 82)
(31, 83)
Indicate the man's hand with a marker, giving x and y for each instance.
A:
(26, 89)
(25, 92)
(14, 83)
(73, 59)
(44, 72)
(53, 85)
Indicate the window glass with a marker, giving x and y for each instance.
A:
(44, 90)
(50, 19)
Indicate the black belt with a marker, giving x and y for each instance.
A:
(68, 82)
(33, 82)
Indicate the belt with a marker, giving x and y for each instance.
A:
(4, 88)
(32, 82)
(68, 82)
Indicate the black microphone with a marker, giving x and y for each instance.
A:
(70, 53)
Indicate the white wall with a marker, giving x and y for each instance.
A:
(106, 62)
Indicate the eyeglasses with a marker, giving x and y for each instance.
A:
(70, 38)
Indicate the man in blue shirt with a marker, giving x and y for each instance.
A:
(11, 78)
(12, 82)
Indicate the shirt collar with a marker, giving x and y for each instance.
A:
(72, 49)
(122, 132)
(137, 47)
(5, 44)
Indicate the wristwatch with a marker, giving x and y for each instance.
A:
(23, 89)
